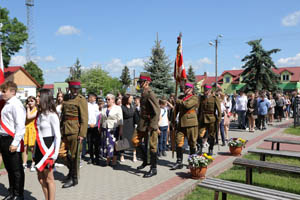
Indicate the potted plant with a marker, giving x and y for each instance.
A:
(198, 165)
(236, 145)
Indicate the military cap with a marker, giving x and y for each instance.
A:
(207, 87)
(74, 84)
(144, 76)
(189, 84)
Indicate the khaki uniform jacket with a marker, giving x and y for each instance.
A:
(187, 111)
(74, 116)
(209, 110)
(150, 111)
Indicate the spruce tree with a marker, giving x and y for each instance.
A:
(191, 74)
(125, 77)
(258, 74)
(192, 77)
(159, 67)
(75, 71)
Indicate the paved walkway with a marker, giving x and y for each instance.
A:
(125, 182)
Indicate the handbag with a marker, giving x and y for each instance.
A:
(122, 144)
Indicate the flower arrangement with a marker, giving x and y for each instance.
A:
(237, 142)
(196, 161)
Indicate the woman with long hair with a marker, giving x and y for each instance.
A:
(30, 132)
(47, 142)
(59, 102)
(128, 121)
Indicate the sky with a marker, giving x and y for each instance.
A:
(114, 33)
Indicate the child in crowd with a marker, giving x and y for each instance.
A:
(163, 128)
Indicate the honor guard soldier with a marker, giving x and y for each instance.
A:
(147, 125)
(186, 105)
(74, 127)
(209, 115)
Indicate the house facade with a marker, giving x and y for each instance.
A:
(231, 80)
(27, 85)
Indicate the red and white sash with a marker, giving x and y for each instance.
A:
(46, 152)
(9, 132)
(187, 97)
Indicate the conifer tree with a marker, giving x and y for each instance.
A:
(159, 67)
(258, 74)
(125, 77)
(192, 77)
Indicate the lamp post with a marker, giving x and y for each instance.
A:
(215, 44)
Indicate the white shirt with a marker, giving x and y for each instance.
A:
(58, 109)
(93, 112)
(48, 125)
(13, 116)
(163, 117)
(241, 103)
(113, 119)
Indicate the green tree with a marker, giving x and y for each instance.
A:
(96, 79)
(75, 71)
(35, 72)
(191, 74)
(192, 77)
(258, 74)
(159, 67)
(125, 77)
(12, 35)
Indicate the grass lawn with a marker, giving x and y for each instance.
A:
(278, 181)
(293, 131)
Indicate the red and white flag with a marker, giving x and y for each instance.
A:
(1, 67)
(179, 69)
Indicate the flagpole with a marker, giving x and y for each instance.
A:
(176, 73)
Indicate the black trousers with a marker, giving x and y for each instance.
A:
(93, 137)
(13, 165)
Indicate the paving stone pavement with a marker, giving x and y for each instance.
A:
(125, 182)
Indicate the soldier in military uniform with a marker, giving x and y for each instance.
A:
(186, 105)
(73, 126)
(209, 115)
(147, 125)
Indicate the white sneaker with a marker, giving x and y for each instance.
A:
(24, 166)
(247, 129)
(205, 144)
(32, 169)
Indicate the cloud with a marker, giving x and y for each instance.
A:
(67, 30)
(17, 61)
(198, 63)
(49, 59)
(56, 74)
(292, 19)
(116, 65)
(289, 61)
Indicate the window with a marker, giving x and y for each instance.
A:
(285, 77)
(227, 79)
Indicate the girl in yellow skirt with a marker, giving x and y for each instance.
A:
(30, 133)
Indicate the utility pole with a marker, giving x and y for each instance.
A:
(215, 44)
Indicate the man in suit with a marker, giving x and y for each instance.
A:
(209, 115)
(186, 106)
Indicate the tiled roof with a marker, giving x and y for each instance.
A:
(48, 86)
(11, 70)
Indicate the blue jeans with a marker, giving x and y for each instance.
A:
(241, 118)
(162, 139)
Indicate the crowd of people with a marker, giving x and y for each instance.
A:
(72, 129)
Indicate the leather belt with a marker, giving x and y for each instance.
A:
(71, 118)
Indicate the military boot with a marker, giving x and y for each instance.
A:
(143, 154)
(192, 150)
(153, 169)
(179, 155)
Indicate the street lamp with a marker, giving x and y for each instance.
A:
(215, 44)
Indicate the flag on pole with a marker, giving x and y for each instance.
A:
(179, 69)
(1, 67)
